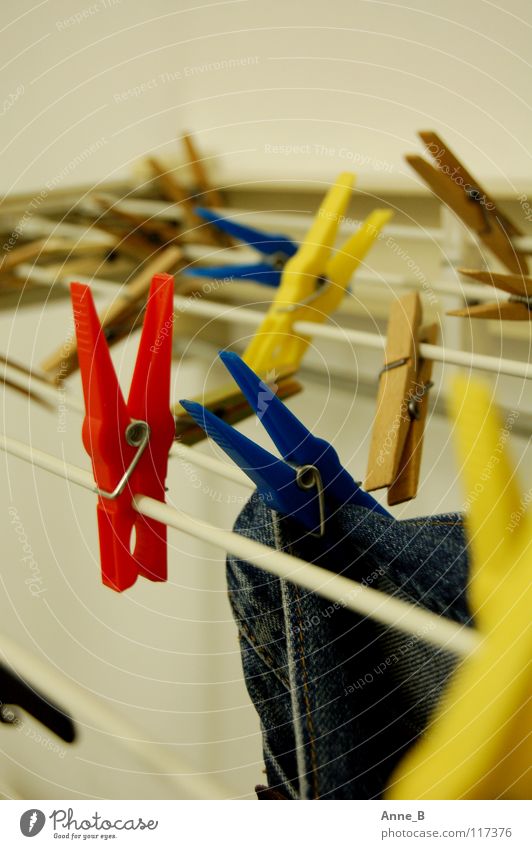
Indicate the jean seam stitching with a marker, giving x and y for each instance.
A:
(263, 653)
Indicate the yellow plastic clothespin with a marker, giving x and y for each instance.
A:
(313, 283)
(479, 743)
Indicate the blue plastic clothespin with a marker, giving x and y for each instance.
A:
(308, 479)
(276, 249)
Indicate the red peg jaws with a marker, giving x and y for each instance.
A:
(128, 443)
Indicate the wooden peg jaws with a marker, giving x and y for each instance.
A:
(402, 404)
(171, 189)
(209, 196)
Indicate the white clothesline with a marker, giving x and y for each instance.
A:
(365, 601)
(40, 386)
(244, 315)
(389, 280)
(278, 221)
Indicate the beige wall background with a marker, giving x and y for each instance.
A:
(280, 95)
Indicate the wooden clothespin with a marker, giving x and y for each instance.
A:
(124, 313)
(24, 253)
(459, 190)
(47, 249)
(153, 232)
(230, 405)
(28, 393)
(10, 284)
(171, 189)
(402, 404)
(517, 308)
(205, 195)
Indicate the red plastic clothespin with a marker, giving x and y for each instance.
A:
(128, 444)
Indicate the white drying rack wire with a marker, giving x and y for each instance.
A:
(391, 280)
(437, 353)
(297, 223)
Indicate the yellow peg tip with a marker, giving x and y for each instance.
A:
(491, 488)
(380, 217)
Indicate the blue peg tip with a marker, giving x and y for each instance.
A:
(193, 409)
(189, 405)
(203, 212)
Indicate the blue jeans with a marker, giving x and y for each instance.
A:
(340, 697)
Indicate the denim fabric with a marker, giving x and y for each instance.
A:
(340, 697)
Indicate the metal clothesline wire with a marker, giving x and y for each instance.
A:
(343, 592)
(388, 279)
